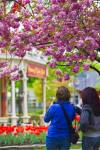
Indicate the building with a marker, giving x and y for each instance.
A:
(32, 65)
(83, 80)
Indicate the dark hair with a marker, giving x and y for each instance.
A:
(63, 93)
(91, 97)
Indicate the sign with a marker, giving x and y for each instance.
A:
(36, 70)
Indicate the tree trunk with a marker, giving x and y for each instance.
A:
(3, 85)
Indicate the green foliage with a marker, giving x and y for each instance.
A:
(42, 137)
(98, 86)
(77, 146)
(20, 139)
(53, 84)
(32, 139)
(36, 112)
(46, 2)
(37, 86)
(35, 119)
(96, 65)
(31, 80)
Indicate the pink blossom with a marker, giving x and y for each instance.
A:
(26, 25)
(58, 72)
(3, 43)
(40, 7)
(62, 14)
(80, 44)
(3, 64)
(14, 68)
(75, 57)
(86, 67)
(66, 76)
(6, 71)
(54, 1)
(75, 6)
(55, 8)
(67, 30)
(75, 69)
(15, 77)
(52, 64)
(20, 53)
(48, 52)
(92, 56)
(26, 1)
(60, 79)
(1, 25)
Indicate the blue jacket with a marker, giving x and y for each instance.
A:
(58, 126)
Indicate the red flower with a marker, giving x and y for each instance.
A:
(77, 118)
(20, 129)
(9, 129)
(75, 126)
(17, 5)
(36, 132)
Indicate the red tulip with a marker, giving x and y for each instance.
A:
(20, 129)
(77, 118)
(36, 130)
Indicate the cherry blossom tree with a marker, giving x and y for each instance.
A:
(67, 31)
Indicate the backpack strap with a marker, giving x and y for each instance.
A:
(66, 116)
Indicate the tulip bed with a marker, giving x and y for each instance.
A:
(29, 134)
(21, 135)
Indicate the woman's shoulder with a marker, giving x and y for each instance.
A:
(54, 105)
(71, 104)
(66, 104)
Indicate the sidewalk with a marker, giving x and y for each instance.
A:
(16, 147)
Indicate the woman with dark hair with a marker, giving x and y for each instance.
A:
(58, 135)
(90, 119)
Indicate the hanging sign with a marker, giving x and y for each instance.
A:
(36, 70)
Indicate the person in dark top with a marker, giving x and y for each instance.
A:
(58, 134)
(90, 119)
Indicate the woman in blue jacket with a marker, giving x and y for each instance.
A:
(58, 134)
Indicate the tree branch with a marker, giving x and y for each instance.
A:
(92, 67)
(34, 44)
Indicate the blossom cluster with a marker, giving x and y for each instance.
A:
(66, 31)
(6, 71)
